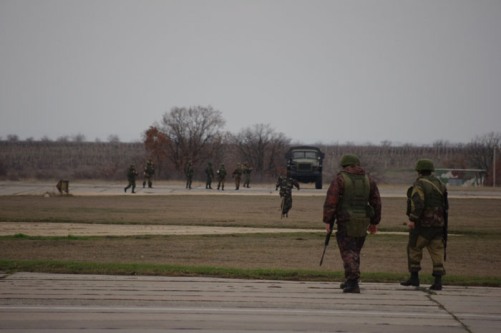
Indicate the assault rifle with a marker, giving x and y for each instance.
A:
(446, 224)
(326, 243)
(409, 202)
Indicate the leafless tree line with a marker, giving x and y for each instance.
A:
(109, 161)
(195, 135)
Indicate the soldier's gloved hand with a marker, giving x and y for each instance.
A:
(372, 229)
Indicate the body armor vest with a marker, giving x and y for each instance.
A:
(355, 204)
(434, 203)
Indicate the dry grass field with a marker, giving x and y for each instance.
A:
(473, 249)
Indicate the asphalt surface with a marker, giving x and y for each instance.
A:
(36, 302)
(94, 188)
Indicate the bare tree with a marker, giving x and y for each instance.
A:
(262, 147)
(78, 138)
(113, 138)
(193, 133)
(12, 138)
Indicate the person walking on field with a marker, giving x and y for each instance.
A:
(247, 172)
(131, 178)
(286, 184)
(427, 211)
(209, 175)
(221, 176)
(354, 204)
(188, 171)
(237, 175)
(149, 171)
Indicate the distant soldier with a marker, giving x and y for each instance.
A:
(427, 211)
(149, 171)
(247, 171)
(188, 171)
(286, 184)
(221, 176)
(131, 177)
(209, 175)
(237, 175)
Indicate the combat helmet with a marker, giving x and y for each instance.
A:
(349, 159)
(424, 165)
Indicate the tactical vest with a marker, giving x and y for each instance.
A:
(355, 204)
(434, 202)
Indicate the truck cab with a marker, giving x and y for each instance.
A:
(304, 164)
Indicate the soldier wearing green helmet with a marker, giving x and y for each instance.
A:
(424, 165)
(349, 159)
(354, 204)
(427, 210)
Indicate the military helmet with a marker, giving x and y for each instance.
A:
(349, 159)
(424, 165)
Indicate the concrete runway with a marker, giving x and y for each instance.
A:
(37, 302)
(94, 188)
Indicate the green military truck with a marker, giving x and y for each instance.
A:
(304, 164)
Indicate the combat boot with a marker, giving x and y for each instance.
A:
(437, 284)
(351, 286)
(342, 285)
(412, 281)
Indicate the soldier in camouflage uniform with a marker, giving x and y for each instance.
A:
(209, 175)
(131, 177)
(188, 171)
(286, 184)
(427, 216)
(247, 171)
(237, 175)
(221, 176)
(354, 204)
(149, 171)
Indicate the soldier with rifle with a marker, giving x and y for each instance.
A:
(148, 173)
(131, 178)
(286, 184)
(427, 209)
(354, 204)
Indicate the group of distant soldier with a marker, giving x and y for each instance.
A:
(353, 204)
(148, 173)
(242, 170)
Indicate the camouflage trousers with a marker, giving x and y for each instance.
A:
(132, 183)
(189, 180)
(147, 180)
(286, 203)
(350, 248)
(435, 247)
(237, 182)
(220, 184)
(208, 182)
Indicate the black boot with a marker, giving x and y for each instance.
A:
(437, 284)
(351, 286)
(412, 281)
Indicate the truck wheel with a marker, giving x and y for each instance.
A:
(318, 183)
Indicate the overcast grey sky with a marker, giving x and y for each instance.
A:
(318, 71)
